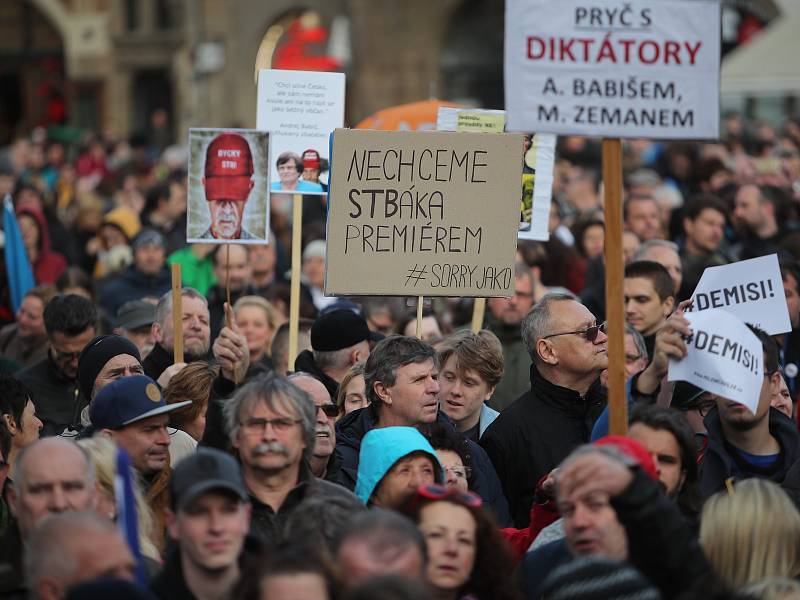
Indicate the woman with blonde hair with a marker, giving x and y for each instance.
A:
(752, 533)
(352, 393)
(103, 454)
(259, 321)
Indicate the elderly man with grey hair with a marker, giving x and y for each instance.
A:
(536, 432)
(272, 425)
(71, 548)
(664, 252)
(52, 475)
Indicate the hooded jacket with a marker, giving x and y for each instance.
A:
(719, 462)
(351, 429)
(381, 449)
(132, 284)
(533, 435)
(48, 264)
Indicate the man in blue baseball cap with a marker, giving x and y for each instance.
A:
(133, 413)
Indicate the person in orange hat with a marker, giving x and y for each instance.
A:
(228, 181)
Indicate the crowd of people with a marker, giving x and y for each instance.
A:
(375, 463)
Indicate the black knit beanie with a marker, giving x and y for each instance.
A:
(593, 577)
(96, 354)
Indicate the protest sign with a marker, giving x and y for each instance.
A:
(423, 213)
(228, 190)
(300, 109)
(539, 152)
(750, 289)
(613, 68)
(723, 357)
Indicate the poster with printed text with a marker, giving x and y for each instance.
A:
(538, 155)
(228, 187)
(613, 68)
(423, 213)
(300, 109)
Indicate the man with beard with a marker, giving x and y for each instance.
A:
(325, 462)
(272, 425)
(196, 332)
(227, 183)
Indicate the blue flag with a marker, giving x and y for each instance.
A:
(18, 267)
(127, 518)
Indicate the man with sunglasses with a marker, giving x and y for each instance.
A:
(71, 322)
(536, 432)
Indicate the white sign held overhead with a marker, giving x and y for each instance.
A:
(750, 289)
(300, 109)
(723, 357)
(613, 68)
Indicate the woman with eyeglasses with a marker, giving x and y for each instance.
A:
(452, 450)
(467, 556)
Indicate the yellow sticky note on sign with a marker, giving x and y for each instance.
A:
(475, 122)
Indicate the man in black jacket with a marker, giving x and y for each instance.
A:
(71, 322)
(208, 521)
(535, 433)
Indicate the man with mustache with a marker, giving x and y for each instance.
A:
(227, 183)
(272, 425)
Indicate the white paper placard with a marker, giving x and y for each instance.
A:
(750, 289)
(300, 109)
(723, 357)
(537, 171)
(613, 68)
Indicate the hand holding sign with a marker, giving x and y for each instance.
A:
(669, 345)
(722, 356)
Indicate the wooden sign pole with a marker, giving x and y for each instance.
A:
(177, 314)
(615, 273)
(420, 303)
(294, 297)
(478, 312)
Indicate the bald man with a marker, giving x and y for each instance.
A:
(324, 462)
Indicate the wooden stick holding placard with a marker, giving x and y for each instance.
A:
(420, 303)
(478, 312)
(615, 273)
(177, 314)
(294, 296)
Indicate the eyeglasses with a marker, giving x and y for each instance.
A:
(590, 333)
(59, 355)
(279, 425)
(330, 410)
(440, 492)
(460, 472)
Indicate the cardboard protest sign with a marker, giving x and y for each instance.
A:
(228, 190)
(423, 213)
(750, 289)
(613, 68)
(539, 152)
(723, 357)
(300, 109)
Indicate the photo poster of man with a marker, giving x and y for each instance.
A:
(300, 109)
(538, 156)
(228, 196)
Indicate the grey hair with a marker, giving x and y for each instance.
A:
(277, 393)
(19, 463)
(390, 354)
(164, 306)
(48, 551)
(536, 324)
(383, 532)
(641, 251)
(638, 340)
(332, 360)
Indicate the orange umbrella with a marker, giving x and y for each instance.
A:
(406, 117)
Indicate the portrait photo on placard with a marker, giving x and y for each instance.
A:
(228, 190)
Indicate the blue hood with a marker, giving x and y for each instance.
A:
(381, 448)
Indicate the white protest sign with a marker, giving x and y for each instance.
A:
(723, 357)
(750, 289)
(613, 67)
(539, 151)
(300, 109)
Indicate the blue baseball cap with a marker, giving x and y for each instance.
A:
(129, 400)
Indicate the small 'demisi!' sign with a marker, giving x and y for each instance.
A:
(423, 213)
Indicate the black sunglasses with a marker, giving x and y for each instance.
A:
(590, 333)
(330, 410)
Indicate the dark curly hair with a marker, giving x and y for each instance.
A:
(492, 576)
(444, 436)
